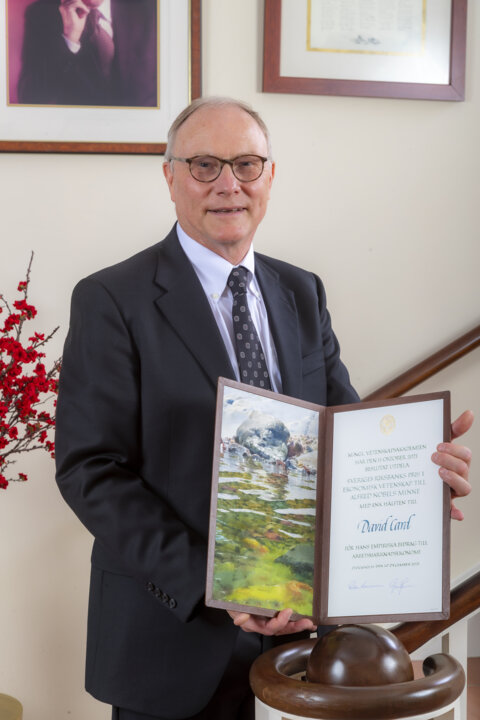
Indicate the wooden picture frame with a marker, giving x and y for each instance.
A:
(338, 81)
(336, 512)
(108, 129)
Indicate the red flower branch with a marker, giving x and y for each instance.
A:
(24, 424)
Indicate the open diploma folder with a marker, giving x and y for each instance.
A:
(336, 512)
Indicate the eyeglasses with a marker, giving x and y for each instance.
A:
(207, 168)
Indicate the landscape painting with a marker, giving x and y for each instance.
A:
(263, 524)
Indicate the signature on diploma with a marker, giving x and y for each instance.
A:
(398, 585)
(354, 585)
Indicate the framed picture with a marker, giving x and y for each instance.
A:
(382, 48)
(96, 76)
(335, 512)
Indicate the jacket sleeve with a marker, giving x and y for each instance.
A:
(98, 452)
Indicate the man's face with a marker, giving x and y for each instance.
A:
(224, 214)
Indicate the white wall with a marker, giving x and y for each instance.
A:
(380, 197)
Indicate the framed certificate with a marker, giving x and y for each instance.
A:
(338, 512)
(380, 48)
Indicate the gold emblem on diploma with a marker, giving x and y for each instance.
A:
(387, 424)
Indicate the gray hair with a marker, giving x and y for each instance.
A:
(212, 102)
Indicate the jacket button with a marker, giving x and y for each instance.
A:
(172, 603)
(150, 586)
(165, 598)
(158, 593)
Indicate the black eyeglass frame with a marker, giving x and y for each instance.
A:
(222, 163)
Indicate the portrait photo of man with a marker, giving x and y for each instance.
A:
(84, 52)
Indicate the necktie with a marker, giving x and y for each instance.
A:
(250, 356)
(100, 40)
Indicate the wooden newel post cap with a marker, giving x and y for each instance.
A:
(359, 655)
(355, 671)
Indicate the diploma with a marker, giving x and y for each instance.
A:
(387, 511)
(336, 512)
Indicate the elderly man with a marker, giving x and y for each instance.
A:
(148, 339)
(89, 52)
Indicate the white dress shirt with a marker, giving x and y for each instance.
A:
(213, 270)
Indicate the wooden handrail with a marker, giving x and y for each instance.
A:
(464, 599)
(428, 367)
(272, 678)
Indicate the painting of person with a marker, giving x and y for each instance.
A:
(84, 52)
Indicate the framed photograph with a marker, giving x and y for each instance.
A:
(382, 48)
(96, 76)
(338, 513)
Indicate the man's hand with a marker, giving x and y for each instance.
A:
(74, 16)
(454, 461)
(278, 625)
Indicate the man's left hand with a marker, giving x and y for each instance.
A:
(454, 461)
(278, 625)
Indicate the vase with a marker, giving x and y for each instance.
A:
(10, 708)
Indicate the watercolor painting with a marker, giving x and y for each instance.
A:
(266, 496)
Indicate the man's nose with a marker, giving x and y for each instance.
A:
(227, 180)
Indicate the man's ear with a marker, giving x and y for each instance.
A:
(168, 173)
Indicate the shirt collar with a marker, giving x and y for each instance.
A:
(212, 269)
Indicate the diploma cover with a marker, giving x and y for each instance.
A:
(336, 512)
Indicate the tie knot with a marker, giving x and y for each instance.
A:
(237, 281)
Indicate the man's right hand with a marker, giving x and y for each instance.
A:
(74, 16)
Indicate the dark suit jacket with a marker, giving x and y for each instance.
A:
(135, 426)
(52, 75)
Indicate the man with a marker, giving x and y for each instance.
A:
(148, 339)
(90, 52)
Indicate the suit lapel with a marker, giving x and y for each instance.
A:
(184, 305)
(283, 319)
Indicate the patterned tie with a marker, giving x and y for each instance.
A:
(101, 41)
(250, 356)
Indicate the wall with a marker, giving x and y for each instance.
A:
(380, 197)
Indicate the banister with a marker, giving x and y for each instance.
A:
(464, 600)
(273, 685)
(428, 367)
